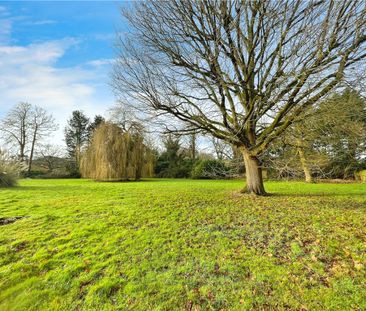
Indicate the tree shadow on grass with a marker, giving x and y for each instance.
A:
(309, 195)
(289, 195)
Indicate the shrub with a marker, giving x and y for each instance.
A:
(57, 173)
(174, 161)
(173, 168)
(210, 169)
(361, 176)
(10, 170)
(72, 169)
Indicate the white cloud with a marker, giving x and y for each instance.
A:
(39, 53)
(105, 36)
(29, 73)
(101, 62)
(42, 22)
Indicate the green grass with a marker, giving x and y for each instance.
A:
(182, 245)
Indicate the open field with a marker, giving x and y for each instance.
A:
(182, 245)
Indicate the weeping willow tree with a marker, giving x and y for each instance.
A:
(114, 154)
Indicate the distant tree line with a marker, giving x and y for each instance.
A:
(331, 143)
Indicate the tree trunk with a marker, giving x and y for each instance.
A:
(22, 153)
(193, 146)
(23, 141)
(304, 165)
(32, 151)
(253, 174)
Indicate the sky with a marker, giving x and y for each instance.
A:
(58, 55)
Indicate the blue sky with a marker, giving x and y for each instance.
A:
(58, 55)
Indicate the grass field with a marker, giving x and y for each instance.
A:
(182, 245)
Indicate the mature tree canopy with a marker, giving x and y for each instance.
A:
(341, 128)
(239, 70)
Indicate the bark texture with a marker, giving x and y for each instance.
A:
(253, 174)
(304, 165)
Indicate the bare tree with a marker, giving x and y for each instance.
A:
(239, 70)
(50, 155)
(124, 117)
(222, 149)
(189, 143)
(24, 126)
(42, 124)
(15, 128)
